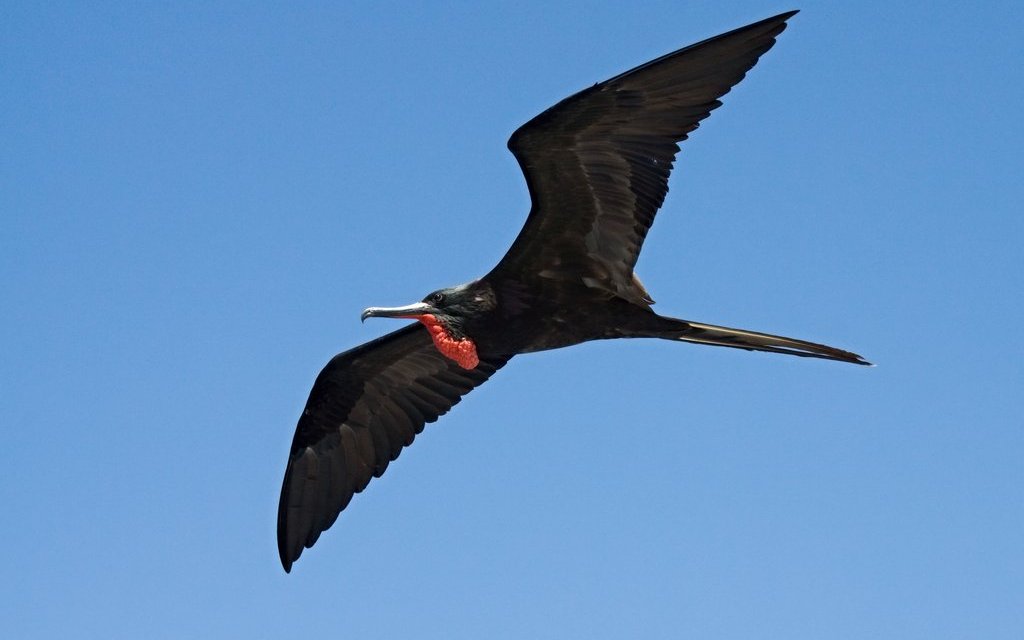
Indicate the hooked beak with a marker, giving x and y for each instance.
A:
(408, 311)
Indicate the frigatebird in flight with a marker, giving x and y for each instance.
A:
(597, 167)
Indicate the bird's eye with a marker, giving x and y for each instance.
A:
(437, 298)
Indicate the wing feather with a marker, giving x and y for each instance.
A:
(597, 163)
(365, 406)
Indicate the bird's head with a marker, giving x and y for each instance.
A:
(449, 315)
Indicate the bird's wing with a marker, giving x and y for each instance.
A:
(597, 163)
(366, 405)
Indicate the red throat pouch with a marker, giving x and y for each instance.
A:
(462, 351)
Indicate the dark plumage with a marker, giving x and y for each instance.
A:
(597, 167)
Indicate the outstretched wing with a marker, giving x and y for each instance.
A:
(597, 163)
(365, 406)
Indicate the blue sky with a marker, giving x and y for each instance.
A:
(199, 199)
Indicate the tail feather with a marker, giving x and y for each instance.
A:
(752, 340)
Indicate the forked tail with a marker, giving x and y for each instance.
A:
(752, 340)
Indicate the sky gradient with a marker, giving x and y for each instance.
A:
(199, 199)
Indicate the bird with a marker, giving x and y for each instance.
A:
(597, 166)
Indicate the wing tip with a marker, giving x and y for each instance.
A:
(287, 559)
(782, 17)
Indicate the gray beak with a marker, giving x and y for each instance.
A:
(414, 309)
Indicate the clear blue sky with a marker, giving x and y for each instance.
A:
(198, 200)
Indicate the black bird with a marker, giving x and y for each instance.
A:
(597, 167)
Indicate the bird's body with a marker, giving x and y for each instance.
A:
(521, 317)
(597, 167)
